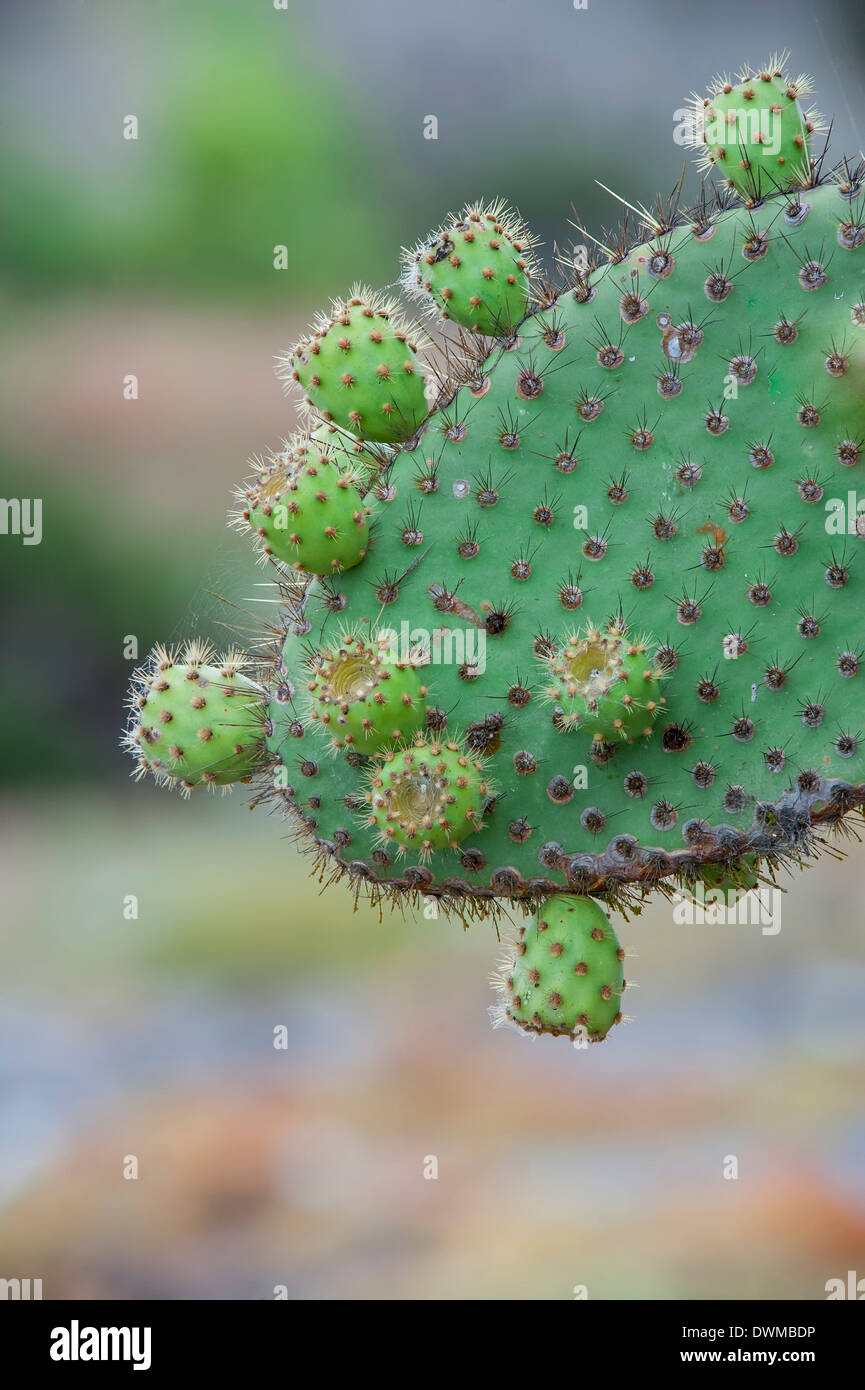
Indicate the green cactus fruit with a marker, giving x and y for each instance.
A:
(476, 268)
(306, 511)
(195, 718)
(360, 370)
(427, 797)
(739, 423)
(565, 975)
(756, 132)
(363, 696)
(605, 684)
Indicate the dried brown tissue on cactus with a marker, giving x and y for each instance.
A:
(566, 614)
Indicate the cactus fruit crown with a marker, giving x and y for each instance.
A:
(567, 610)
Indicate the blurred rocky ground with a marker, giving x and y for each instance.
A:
(303, 1166)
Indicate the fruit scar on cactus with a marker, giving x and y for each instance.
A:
(195, 719)
(362, 700)
(605, 684)
(661, 436)
(427, 797)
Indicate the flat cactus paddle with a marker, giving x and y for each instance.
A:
(572, 609)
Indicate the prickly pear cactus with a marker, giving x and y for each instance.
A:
(568, 611)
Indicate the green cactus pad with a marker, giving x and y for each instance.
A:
(195, 718)
(756, 132)
(669, 438)
(360, 370)
(362, 697)
(605, 684)
(682, 470)
(564, 975)
(476, 268)
(306, 511)
(426, 797)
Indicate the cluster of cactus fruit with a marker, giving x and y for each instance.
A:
(562, 621)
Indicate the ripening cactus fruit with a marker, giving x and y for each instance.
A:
(476, 267)
(195, 718)
(664, 435)
(359, 369)
(756, 132)
(306, 511)
(564, 975)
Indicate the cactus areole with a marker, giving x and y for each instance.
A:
(570, 600)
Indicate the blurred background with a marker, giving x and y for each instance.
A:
(153, 1036)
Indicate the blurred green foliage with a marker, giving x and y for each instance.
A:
(67, 605)
(243, 127)
(255, 132)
